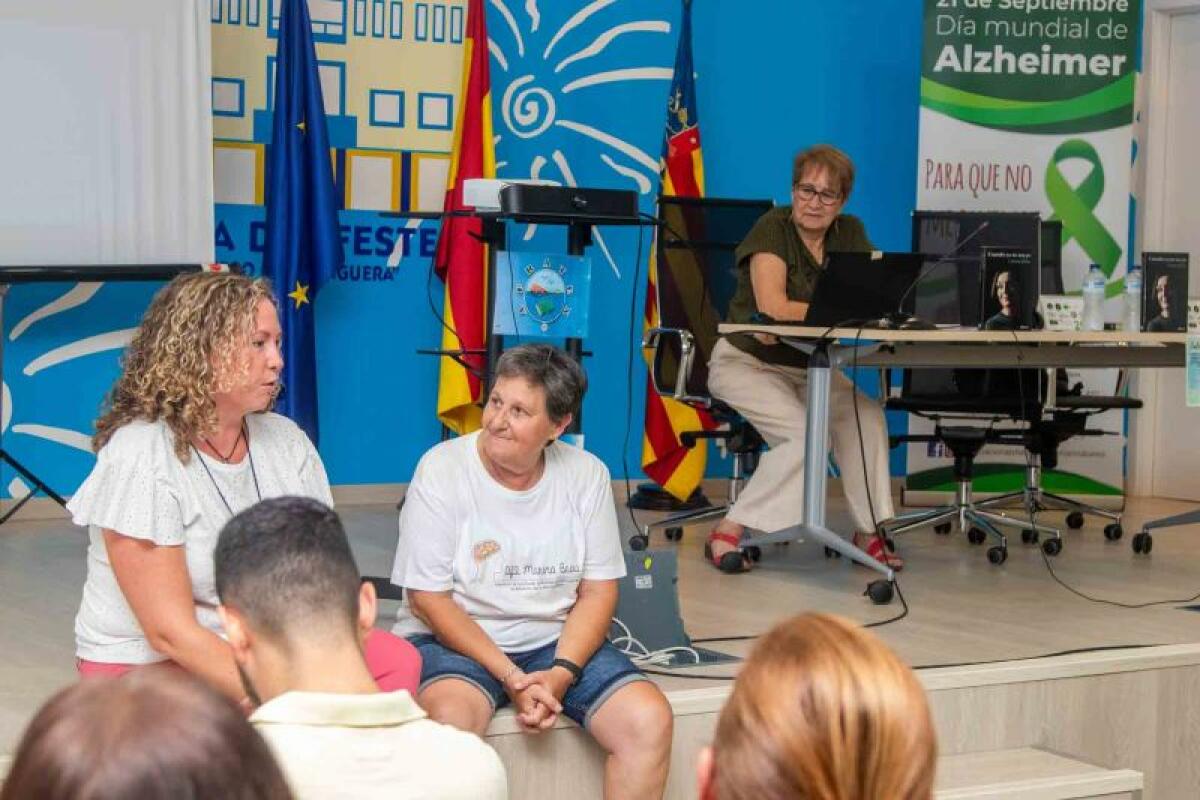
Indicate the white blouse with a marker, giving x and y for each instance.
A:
(140, 488)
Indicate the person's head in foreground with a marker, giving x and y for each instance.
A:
(207, 349)
(292, 602)
(822, 710)
(152, 735)
(538, 391)
(822, 177)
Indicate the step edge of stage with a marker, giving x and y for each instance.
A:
(1039, 773)
(710, 699)
(1074, 665)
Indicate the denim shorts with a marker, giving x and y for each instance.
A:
(605, 672)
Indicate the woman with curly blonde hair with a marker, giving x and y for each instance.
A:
(822, 710)
(186, 442)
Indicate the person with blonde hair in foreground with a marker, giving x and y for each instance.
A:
(822, 710)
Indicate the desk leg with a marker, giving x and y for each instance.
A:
(816, 457)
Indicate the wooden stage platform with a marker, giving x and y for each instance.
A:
(984, 640)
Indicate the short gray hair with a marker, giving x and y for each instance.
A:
(562, 379)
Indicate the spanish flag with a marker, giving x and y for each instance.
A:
(676, 468)
(461, 258)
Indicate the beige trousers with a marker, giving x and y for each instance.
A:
(774, 399)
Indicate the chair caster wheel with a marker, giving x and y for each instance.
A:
(673, 534)
(753, 552)
(1029, 536)
(880, 592)
(976, 536)
(1113, 531)
(1143, 543)
(997, 555)
(1075, 520)
(831, 553)
(942, 528)
(639, 542)
(1052, 547)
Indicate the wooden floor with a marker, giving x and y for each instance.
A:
(961, 608)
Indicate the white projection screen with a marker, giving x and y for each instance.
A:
(105, 132)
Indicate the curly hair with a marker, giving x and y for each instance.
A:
(184, 351)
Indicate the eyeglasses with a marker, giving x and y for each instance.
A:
(806, 192)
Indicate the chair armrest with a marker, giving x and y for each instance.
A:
(687, 353)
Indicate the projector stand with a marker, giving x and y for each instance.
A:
(37, 484)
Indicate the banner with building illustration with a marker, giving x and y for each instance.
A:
(577, 96)
(1028, 106)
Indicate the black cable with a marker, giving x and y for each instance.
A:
(512, 303)
(442, 320)
(948, 665)
(1046, 558)
(633, 317)
(1076, 651)
(744, 638)
(862, 452)
(1102, 601)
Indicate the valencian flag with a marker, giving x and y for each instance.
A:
(676, 468)
(461, 259)
(303, 248)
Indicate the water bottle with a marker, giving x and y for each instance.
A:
(1133, 299)
(1093, 299)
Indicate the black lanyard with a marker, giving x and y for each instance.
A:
(220, 494)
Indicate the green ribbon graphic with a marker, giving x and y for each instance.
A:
(1074, 205)
(1106, 107)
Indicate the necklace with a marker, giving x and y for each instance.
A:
(232, 450)
(217, 486)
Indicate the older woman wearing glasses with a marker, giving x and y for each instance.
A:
(765, 380)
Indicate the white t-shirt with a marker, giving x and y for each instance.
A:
(512, 560)
(375, 746)
(139, 488)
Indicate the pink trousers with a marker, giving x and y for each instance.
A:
(394, 664)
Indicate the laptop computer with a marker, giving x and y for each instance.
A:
(858, 289)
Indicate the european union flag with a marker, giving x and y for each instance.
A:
(303, 248)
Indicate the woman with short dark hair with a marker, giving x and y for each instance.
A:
(509, 553)
(156, 735)
(766, 380)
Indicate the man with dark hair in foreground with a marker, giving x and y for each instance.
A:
(296, 613)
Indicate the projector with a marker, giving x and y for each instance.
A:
(483, 194)
(542, 201)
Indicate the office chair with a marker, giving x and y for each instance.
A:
(1066, 416)
(953, 399)
(696, 281)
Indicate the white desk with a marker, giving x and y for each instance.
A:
(835, 348)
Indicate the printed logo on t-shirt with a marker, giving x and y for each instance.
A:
(534, 577)
(480, 553)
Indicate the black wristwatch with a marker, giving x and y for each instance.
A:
(569, 666)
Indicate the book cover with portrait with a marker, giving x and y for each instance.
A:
(1010, 289)
(1164, 292)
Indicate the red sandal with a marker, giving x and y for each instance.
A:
(732, 561)
(877, 550)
